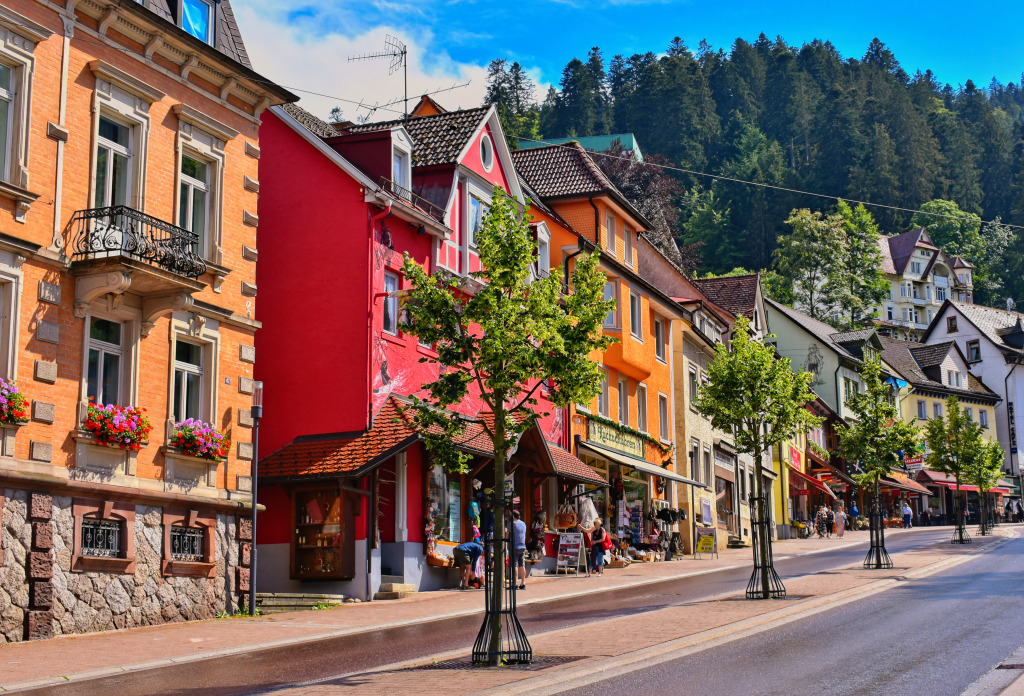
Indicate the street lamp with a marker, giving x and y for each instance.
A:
(257, 413)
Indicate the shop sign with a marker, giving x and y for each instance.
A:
(802, 491)
(707, 538)
(915, 463)
(1013, 427)
(613, 438)
(570, 551)
(794, 456)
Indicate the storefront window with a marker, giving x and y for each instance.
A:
(445, 505)
(319, 543)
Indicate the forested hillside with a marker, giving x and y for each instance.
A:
(800, 117)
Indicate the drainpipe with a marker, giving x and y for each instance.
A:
(597, 222)
(580, 247)
(369, 333)
(69, 31)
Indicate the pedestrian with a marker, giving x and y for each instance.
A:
(840, 522)
(1020, 511)
(598, 540)
(519, 548)
(820, 520)
(926, 518)
(830, 522)
(853, 516)
(466, 556)
(907, 515)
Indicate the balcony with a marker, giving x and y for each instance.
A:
(123, 232)
(421, 204)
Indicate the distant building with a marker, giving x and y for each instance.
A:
(594, 143)
(921, 277)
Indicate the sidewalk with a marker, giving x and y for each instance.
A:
(74, 658)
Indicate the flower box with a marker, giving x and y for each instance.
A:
(13, 410)
(123, 427)
(200, 440)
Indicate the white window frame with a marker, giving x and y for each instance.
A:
(473, 190)
(983, 418)
(486, 152)
(660, 342)
(401, 149)
(613, 315)
(636, 318)
(970, 413)
(623, 401)
(602, 395)
(937, 410)
(664, 419)
(693, 390)
(922, 409)
(187, 187)
(611, 238)
(390, 303)
(103, 348)
(116, 149)
(627, 246)
(192, 369)
(889, 312)
(974, 349)
(641, 407)
(131, 326)
(204, 332)
(542, 268)
(694, 456)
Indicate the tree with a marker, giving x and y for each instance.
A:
(984, 471)
(501, 335)
(755, 394)
(812, 259)
(954, 446)
(865, 281)
(511, 90)
(874, 441)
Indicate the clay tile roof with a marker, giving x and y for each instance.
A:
(959, 262)
(990, 321)
(857, 336)
(931, 355)
(438, 138)
(568, 465)
(737, 294)
(819, 329)
(561, 170)
(343, 454)
(911, 360)
(310, 122)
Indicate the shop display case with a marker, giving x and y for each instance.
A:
(321, 542)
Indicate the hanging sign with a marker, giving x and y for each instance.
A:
(613, 438)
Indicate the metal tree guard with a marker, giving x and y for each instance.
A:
(984, 524)
(763, 557)
(878, 557)
(514, 647)
(960, 535)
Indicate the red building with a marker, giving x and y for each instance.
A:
(350, 493)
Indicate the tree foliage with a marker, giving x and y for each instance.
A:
(877, 435)
(812, 260)
(955, 442)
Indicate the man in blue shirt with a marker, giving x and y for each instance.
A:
(466, 556)
(519, 548)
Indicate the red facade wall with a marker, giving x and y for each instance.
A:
(275, 523)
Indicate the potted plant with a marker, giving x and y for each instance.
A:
(12, 403)
(195, 438)
(125, 427)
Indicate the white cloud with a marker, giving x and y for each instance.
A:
(307, 55)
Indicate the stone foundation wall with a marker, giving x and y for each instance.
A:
(95, 601)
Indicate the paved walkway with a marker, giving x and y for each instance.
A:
(24, 665)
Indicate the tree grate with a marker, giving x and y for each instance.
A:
(539, 662)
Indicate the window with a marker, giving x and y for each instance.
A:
(889, 313)
(973, 351)
(477, 211)
(850, 387)
(611, 293)
(891, 292)
(623, 401)
(7, 118)
(187, 544)
(940, 294)
(903, 290)
(635, 320)
(922, 410)
(927, 292)
(954, 378)
(101, 538)
(444, 505)
(693, 386)
(695, 460)
(486, 152)
(959, 379)
(113, 163)
(391, 304)
(937, 410)
(400, 168)
(663, 424)
(602, 396)
(969, 412)
(609, 225)
(915, 267)
(194, 200)
(543, 257)
(659, 339)
(983, 418)
(188, 381)
(105, 354)
(951, 324)
(931, 315)
(641, 408)
(707, 468)
(627, 247)
(195, 19)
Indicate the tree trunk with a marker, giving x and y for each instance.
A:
(500, 533)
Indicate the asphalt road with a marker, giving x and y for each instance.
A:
(932, 636)
(266, 671)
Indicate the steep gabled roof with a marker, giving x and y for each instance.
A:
(557, 171)
(914, 360)
(902, 246)
(959, 262)
(310, 122)
(994, 324)
(437, 139)
(819, 329)
(737, 294)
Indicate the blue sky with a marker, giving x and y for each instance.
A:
(304, 43)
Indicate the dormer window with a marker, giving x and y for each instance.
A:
(400, 171)
(487, 152)
(197, 19)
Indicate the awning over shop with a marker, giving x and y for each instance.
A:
(900, 482)
(831, 472)
(815, 483)
(964, 488)
(570, 467)
(638, 464)
(1000, 491)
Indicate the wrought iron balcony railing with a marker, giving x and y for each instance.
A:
(123, 231)
(419, 202)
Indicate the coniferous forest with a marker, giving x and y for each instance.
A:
(798, 117)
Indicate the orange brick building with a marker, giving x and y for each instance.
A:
(128, 192)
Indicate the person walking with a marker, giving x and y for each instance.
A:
(598, 539)
(519, 548)
(840, 522)
(1019, 510)
(908, 514)
(853, 516)
(830, 522)
(820, 521)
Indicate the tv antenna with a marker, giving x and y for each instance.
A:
(395, 50)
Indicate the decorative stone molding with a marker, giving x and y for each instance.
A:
(246, 353)
(142, 90)
(189, 65)
(184, 472)
(155, 307)
(200, 120)
(49, 292)
(101, 460)
(245, 451)
(45, 371)
(252, 150)
(248, 289)
(245, 417)
(249, 253)
(57, 132)
(250, 219)
(251, 184)
(90, 287)
(207, 568)
(84, 508)
(245, 385)
(8, 432)
(40, 451)
(243, 483)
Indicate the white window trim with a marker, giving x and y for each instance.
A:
(616, 312)
(111, 309)
(610, 233)
(471, 189)
(387, 299)
(623, 401)
(190, 369)
(922, 409)
(11, 283)
(641, 407)
(663, 398)
(663, 344)
(487, 142)
(627, 246)
(211, 39)
(603, 396)
(200, 137)
(542, 268)
(636, 328)
(205, 332)
(401, 144)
